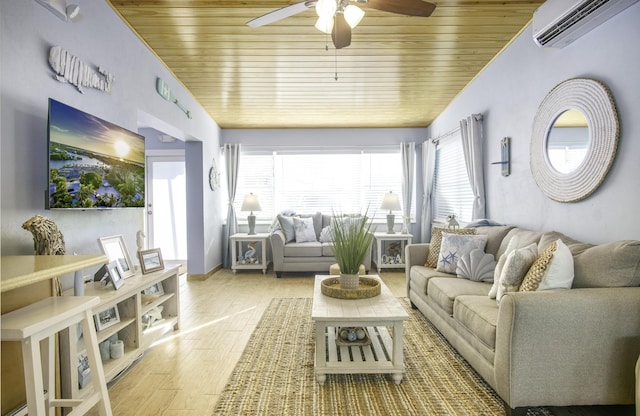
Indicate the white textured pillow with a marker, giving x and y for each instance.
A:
(513, 244)
(326, 235)
(559, 274)
(515, 268)
(304, 229)
(553, 269)
(454, 246)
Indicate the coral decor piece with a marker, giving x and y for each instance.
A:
(69, 68)
(47, 238)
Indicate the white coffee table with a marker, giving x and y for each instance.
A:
(382, 315)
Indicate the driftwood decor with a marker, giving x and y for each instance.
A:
(69, 68)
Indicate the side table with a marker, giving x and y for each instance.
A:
(249, 258)
(390, 250)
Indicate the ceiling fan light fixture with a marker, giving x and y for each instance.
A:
(353, 15)
(326, 8)
(324, 24)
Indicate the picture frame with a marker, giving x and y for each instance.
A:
(115, 274)
(106, 318)
(155, 289)
(84, 371)
(150, 260)
(115, 249)
(110, 273)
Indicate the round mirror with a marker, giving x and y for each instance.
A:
(568, 141)
(569, 170)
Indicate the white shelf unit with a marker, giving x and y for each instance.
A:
(381, 254)
(129, 302)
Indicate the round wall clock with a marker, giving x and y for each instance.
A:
(214, 176)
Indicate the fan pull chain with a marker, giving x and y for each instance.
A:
(336, 55)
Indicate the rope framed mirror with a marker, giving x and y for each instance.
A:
(569, 160)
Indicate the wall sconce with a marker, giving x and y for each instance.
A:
(392, 203)
(251, 204)
(61, 9)
(505, 154)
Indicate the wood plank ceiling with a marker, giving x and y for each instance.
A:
(398, 72)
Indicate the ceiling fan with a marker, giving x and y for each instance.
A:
(338, 17)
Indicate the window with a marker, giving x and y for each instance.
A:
(451, 187)
(307, 182)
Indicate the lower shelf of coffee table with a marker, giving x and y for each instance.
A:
(373, 358)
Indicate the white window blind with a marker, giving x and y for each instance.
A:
(255, 176)
(452, 190)
(348, 182)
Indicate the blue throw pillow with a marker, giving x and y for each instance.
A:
(286, 224)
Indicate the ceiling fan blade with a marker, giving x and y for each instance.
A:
(407, 7)
(281, 13)
(341, 32)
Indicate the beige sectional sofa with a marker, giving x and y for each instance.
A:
(311, 256)
(543, 348)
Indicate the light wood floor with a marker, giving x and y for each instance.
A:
(185, 373)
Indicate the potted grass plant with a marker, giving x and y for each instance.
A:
(352, 238)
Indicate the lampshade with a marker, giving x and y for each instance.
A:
(391, 202)
(250, 203)
(326, 8)
(325, 24)
(353, 15)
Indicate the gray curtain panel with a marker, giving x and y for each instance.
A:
(232, 163)
(408, 151)
(428, 170)
(471, 132)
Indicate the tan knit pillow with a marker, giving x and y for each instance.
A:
(536, 272)
(436, 241)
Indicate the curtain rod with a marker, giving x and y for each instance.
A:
(286, 146)
(447, 134)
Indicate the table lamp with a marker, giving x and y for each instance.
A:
(251, 204)
(392, 203)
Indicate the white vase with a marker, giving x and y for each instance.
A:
(349, 281)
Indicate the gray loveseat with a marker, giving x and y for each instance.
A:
(542, 348)
(311, 256)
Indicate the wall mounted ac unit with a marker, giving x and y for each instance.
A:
(557, 23)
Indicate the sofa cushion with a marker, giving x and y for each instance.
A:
(444, 290)
(327, 249)
(304, 230)
(420, 275)
(436, 240)
(479, 315)
(311, 249)
(495, 235)
(454, 246)
(525, 237)
(615, 264)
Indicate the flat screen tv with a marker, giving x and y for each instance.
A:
(93, 164)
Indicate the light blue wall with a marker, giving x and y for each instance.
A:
(99, 37)
(509, 92)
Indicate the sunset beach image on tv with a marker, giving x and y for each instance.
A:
(92, 163)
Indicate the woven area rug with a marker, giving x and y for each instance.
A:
(275, 376)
